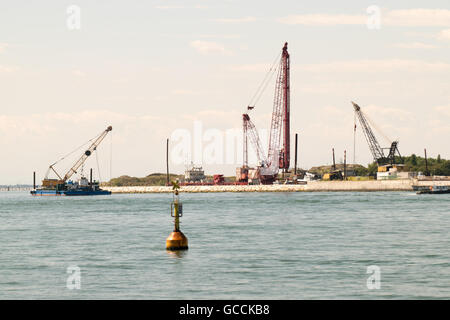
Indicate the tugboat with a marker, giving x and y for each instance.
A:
(63, 186)
(433, 190)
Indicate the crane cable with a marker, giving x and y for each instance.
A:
(110, 158)
(98, 166)
(90, 140)
(354, 138)
(377, 129)
(70, 153)
(262, 87)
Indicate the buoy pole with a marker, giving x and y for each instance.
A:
(176, 240)
(177, 213)
(345, 164)
(167, 163)
(296, 143)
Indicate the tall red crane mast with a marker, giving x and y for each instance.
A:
(286, 151)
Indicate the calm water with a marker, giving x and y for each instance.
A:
(241, 246)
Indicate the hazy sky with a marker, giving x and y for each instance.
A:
(150, 67)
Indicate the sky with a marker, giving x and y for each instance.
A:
(186, 70)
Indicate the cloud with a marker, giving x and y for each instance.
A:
(7, 69)
(445, 110)
(219, 36)
(415, 45)
(405, 18)
(376, 66)
(78, 73)
(185, 92)
(444, 35)
(417, 18)
(389, 112)
(169, 7)
(324, 19)
(209, 47)
(363, 66)
(174, 6)
(236, 20)
(3, 46)
(50, 123)
(257, 67)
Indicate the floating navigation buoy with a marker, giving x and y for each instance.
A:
(176, 240)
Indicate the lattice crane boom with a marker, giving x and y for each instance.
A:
(251, 132)
(86, 154)
(280, 125)
(374, 146)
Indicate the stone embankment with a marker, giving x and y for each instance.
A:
(312, 186)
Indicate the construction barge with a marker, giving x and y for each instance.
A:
(431, 189)
(64, 186)
(81, 187)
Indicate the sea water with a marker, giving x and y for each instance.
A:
(362, 245)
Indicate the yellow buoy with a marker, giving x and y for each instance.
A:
(176, 240)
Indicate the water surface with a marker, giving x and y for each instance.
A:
(241, 246)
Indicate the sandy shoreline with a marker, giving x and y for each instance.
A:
(312, 186)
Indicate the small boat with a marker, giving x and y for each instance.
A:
(433, 190)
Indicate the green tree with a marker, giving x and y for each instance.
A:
(413, 159)
(361, 171)
(372, 169)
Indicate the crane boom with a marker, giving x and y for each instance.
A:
(251, 132)
(374, 146)
(86, 154)
(280, 118)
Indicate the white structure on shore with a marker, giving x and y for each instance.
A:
(194, 174)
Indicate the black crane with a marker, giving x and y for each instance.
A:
(374, 146)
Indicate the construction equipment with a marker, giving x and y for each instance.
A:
(250, 132)
(218, 179)
(333, 174)
(377, 151)
(53, 183)
(427, 172)
(278, 157)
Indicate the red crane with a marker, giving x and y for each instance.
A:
(278, 156)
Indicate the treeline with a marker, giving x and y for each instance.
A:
(413, 163)
(154, 179)
(436, 167)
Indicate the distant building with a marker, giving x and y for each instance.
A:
(194, 174)
(395, 171)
